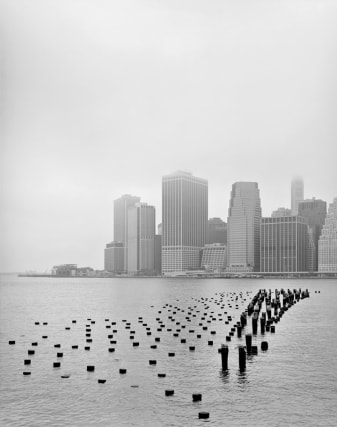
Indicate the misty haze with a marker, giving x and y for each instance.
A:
(168, 221)
(101, 99)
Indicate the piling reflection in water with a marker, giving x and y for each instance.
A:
(242, 377)
(224, 376)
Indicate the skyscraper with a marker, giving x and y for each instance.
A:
(121, 207)
(217, 231)
(327, 244)
(297, 194)
(184, 221)
(315, 212)
(284, 243)
(243, 228)
(141, 236)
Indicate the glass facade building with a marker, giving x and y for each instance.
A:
(141, 236)
(315, 212)
(243, 228)
(327, 244)
(157, 254)
(217, 231)
(284, 243)
(121, 207)
(184, 221)
(297, 194)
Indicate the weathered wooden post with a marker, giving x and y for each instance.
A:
(248, 343)
(224, 356)
(242, 358)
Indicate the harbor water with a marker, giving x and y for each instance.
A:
(294, 383)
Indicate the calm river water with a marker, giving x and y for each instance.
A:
(294, 383)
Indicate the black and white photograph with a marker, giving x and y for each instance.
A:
(168, 213)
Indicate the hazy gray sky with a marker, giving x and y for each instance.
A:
(101, 98)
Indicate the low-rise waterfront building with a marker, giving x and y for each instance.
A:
(214, 257)
(114, 255)
(64, 270)
(85, 272)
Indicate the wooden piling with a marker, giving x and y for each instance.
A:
(224, 357)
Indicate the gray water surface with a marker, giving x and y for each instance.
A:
(294, 383)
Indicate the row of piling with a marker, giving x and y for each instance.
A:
(275, 309)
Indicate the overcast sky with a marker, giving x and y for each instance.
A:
(101, 98)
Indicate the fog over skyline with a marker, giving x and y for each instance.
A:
(103, 98)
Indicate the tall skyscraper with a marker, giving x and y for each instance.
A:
(243, 228)
(315, 212)
(284, 242)
(121, 207)
(141, 236)
(184, 221)
(297, 194)
(217, 231)
(327, 244)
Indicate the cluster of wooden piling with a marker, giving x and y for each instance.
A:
(275, 309)
(263, 311)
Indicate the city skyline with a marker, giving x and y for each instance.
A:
(97, 102)
(138, 199)
(283, 242)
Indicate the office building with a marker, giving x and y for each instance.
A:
(280, 212)
(184, 221)
(157, 254)
(121, 207)
(214, 257)
(141, 237)
(243, 228)
(297, 194)
(312, 251)
(327, 244)
(217, 231)
(114, 257)
(315, 212)
(284, 242)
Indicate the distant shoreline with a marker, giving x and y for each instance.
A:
(285, 276)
